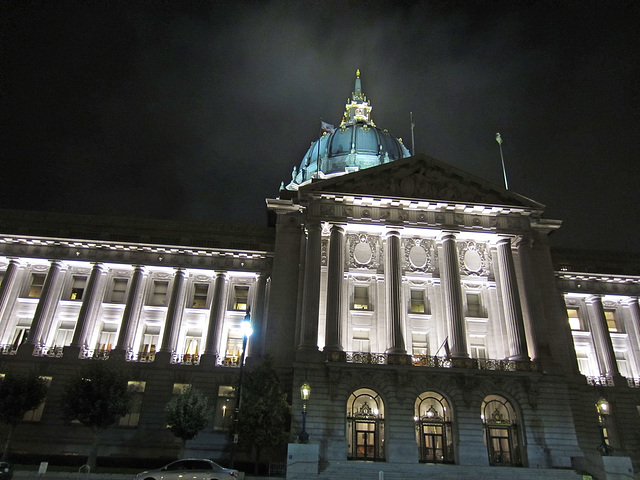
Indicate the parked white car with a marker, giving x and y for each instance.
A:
(190, 469)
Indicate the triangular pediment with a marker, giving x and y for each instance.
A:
(421, 177)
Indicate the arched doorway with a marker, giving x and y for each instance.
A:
(501, 431)
(365, 425)
(433, 428)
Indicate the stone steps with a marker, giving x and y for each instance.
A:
(371, 471)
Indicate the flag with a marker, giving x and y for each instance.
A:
(327, 127)
(446, 347)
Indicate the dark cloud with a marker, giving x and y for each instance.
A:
(200, 109)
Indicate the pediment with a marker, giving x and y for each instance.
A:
(421, 177)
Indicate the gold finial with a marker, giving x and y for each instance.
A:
(358, 73)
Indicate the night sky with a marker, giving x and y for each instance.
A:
(198, 110)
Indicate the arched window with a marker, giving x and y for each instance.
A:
(501, 431)
(433, 428)
(365, 425)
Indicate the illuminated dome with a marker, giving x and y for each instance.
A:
(356, 144)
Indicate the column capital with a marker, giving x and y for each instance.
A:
(594, 298)
(338, 227)
(630, 301)
(445, 235)
(522, 241)
(392, 231)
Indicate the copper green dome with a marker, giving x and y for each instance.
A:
(356, 144)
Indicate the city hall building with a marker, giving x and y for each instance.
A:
(440, 333)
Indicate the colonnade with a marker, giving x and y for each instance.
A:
(95, 294)
(449, 270)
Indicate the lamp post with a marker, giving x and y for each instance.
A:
(247, 330)
(305, 393)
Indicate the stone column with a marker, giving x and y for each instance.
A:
(46, 306)
(511, 302)
(393, 280)
(601, 338)
(335, 276)
(7, 287)
(452, 292)
(174, 315)
(257, 317)
(90, 302)
(131, 313)
(216, 318)
(311, 300)
(532, 303)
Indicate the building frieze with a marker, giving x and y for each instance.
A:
(597, 284)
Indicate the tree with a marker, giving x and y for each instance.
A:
(265, 415)
(97, 397)
(18, 395)
(187, 414)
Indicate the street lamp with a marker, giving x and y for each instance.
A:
(305, 393)
(247, 330)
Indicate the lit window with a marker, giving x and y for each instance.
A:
(225, 406)
(158, 293)
(604, 412)
(119, 289)
(21, 333)
(180, 388)
(64, 334)
(361, 298)
(77, 287)
(149, 342)
(192, 345)
(474, 308)
(419, 344)
(575, 322)
(107, 338)
(240, 297)
(132, 418)
(36, 414)
(361, 342)
(417, 301)
(234, 347)
(612, 324)
(478, 347)
(37, 282)
(200, 291)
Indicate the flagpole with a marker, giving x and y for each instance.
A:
(504, 170)
(413, 140)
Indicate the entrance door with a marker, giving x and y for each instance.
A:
(499, 446)
(366, 440)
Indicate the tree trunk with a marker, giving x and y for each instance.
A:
(93, 453)
(183, 446)
(256, 467)
(7, 446)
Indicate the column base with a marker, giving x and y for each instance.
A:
(209, 359)
(163, 358)
(309, 354)
(25, 351)
(71, 352)
(336, 356)
(118, 355)
(461, 362)
(398, 359)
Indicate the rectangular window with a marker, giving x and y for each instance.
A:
(360, 298)
(478, 348)
(420, 344)
(417, 301)
(36, 414)
(474, 308)
(149, 342)
(107, 338)
(240, 297)
(192, 345)
(575, 322)
(158, 295)
(225, 405)
(119, 290)
(20, 334)
(200, 291)
(179, 388)
(77, 287)
(234, 347)
(361, 342)
(132, 418)
(37, 282)
(64, 334)
(612, 321)
(623, 364)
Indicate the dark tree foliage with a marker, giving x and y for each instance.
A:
(97, 398)
(265, 414)
(18, 395)
(187, 414)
